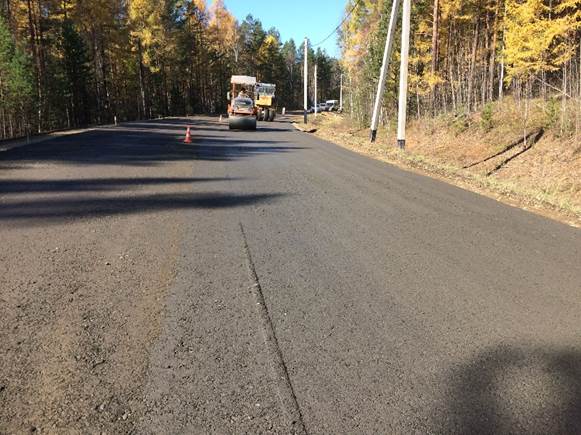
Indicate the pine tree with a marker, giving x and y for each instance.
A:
(252, 36)
(15, 85)
(76, 74)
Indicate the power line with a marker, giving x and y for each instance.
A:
(340, 24)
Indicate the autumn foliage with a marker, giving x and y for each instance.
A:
(466, 53)
(70, 63)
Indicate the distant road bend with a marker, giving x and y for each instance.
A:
(270, 282)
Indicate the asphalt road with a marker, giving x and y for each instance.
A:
(271, 282)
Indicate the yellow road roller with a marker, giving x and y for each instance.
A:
(242, 111)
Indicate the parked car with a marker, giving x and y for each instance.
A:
(321, 107)
(332, 105)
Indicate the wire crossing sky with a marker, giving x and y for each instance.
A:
(296, 19)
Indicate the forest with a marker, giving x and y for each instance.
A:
(467, 54)
(73, 63)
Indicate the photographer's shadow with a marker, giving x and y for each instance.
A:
(516, 389)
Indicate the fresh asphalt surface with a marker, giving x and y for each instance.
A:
(271, 282)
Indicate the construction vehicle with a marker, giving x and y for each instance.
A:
(242, 110)
(266, 101)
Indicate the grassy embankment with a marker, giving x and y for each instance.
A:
(485, 152)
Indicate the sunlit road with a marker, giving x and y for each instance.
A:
(270, 282)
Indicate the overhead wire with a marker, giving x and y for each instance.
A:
(340, 24)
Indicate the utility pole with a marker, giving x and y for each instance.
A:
(384, 69)
(403, 73)
(341, 95)
(305, 79)
(316, 104)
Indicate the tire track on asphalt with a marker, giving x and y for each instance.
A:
(285, 391)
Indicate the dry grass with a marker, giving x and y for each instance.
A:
(545, 179)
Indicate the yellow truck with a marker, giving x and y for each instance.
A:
(265, 101)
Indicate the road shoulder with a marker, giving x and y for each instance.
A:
(510, 193)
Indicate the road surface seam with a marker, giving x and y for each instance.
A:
(286, 393)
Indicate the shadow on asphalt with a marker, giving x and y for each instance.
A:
(126, 147)
(233, 152)
(15, 186)
(138, 144)
(58, 210)
(174, 125)
(513, 390)
(199, 125)
(272, 129)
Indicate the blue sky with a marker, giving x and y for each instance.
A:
(295, 18)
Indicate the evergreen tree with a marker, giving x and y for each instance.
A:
(15, 85)
(252, 36)
(76, 74)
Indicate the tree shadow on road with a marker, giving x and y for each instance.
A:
(222, 150)
(59, 209)
(137, 149)
(175, 125)
(16, 186)
(196, 120)
(145, 144)
(516, 390)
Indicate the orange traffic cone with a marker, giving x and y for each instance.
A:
(188, 138)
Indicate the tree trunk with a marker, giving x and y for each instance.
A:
(501, 74)
(43, 102)
(105, 84)
(563, 99)
(8, 13)
(141, 77)
(578, 111)
(2, 111)
(435, 36)
(37, 63)
(492, 60)
(472, 65)
(527, 98)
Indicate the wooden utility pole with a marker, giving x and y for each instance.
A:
(403, 73)
(384, 69)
